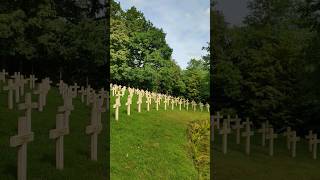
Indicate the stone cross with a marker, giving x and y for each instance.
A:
(248, 133)
(28, 105)
(194, 104)
(157, 102)
(88, 95)
(271, 136)
(21, 140)
(32, 81)
(117, 105)
(225, 131)
(217, 120)
(176, 101)
(3, 75)
(57, 134)
(187, 104)
(123, 90)
(17, 88)
(166, 101)
(10, 87)
(22, 82)
(67, 106)
(148, 102)
(294, 139)
(114, 89)
(75, 88)
(100, 108)
(315, 141)
(172, 103)
(288, 134)
(309, 137)
(16, 75)
(95, 128)
(42, 93)
(82, 91)
(128, 104)
(60, 85)
(229, 121)
(201, 106)
(263, 132)
(237, 127)
(139, 102)
(180, 104)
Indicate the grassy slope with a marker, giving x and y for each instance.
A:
(259, 165)
(41, 152)
(151, 145)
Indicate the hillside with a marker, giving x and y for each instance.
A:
(259, 165)
(151, 145)
(41, 151)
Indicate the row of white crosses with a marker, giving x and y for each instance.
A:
(25, 135)
(119, 91)
(267, 133)
(15, 86)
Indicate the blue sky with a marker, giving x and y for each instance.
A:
(186, 23)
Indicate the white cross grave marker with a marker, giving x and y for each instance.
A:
(315, 141)
(117, 105)
(10, 87)
(225, 131)
(271, 136)
(237, 127)
(21, 140)
(288, 134)
(94, 129)
(263, 132)
(248, 133)
(128, 104)
(28, 105)
(294, 139)
(58, 134)
(309, 137)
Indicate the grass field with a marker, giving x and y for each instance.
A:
(41, 151)
(259, 165)
(151, 145)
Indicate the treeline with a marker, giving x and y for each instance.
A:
(141, 57)
(55, 38)
(269, 68)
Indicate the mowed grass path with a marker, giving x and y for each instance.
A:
(259, 165)
(41, 151)
(151, 145)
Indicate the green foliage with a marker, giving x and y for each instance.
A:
(266, 68)
(51, 38)
(199, 144)
(141, 57)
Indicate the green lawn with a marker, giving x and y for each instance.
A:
(41, 151)
(151, 145)
(259, 165)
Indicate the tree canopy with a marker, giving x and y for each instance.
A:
(49, 38)
(268, 69)
(141, 57)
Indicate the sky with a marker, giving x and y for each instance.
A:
(233, 10)
(185, 22)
